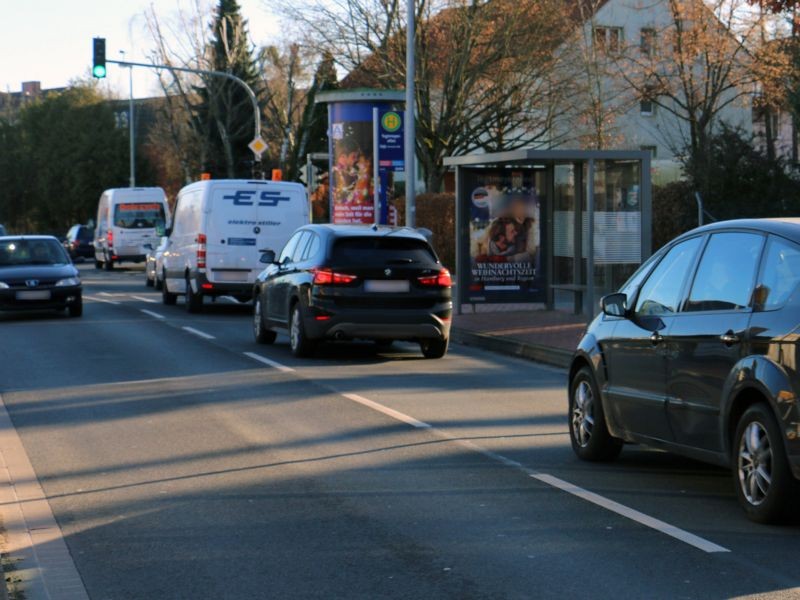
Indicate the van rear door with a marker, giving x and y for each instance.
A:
(282, 209)
(231, 233)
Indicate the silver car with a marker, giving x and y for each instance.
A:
(154, 264)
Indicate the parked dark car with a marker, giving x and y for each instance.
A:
(350, 282)
(698, 353)
(79, 242)
(36, 273)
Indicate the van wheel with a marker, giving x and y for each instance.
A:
(300, 344)
(157, 282)
(764, 482)
(108, 265)
(433, 348)
(147, 281)
(262, 334)
(97, 264)
(166, 297)
(588, 432)
(194, 300)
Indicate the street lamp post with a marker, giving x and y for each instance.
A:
(410, 153)
(131, 128)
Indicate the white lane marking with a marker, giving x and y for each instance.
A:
(155, 315)
(33, 539)
(596, 499)
(387, 411)
(198, 333)
(104, 294)
(143, 299)
(629, 513)
(94, 299)
(269, 362)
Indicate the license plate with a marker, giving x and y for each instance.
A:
(387, 285)
(35, 295)
(231, 276)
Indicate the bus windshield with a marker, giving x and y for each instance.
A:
(140, 215)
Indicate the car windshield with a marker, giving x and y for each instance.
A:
(140, 215)
(31, 252)
(374, 249)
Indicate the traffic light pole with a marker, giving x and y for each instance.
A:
(250, 94)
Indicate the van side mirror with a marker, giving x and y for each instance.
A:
(168, 232)
(615, 305)
(267, 257)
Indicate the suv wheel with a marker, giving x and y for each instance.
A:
(194, 300)
(299, 343)
(261, 333)
(434, 348)
(588, 432)
(764, 482)
(166, 297)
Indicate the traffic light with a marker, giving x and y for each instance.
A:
(99, 58)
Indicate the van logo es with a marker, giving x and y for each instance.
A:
(248, 198)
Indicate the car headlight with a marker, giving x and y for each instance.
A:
(4, 286)
(69, 281)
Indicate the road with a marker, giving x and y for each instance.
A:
(182, 460)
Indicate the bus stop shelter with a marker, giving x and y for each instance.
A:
(555, 227)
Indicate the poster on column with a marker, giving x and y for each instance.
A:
(391, 160)
(351, 185)
(504, 209)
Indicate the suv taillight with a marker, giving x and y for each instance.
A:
(328, 277)
(441, 279)
(201, 251)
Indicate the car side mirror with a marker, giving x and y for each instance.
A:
(267, 257)
(615, 305)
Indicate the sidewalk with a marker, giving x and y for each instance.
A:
(546, 336)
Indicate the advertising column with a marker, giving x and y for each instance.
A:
(391, 160)
(351, 156)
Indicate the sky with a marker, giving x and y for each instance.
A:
(51, 40)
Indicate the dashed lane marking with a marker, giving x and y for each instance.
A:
(155, 315)
(198, 333)
(269, 362)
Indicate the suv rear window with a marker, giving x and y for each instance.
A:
(371, 250)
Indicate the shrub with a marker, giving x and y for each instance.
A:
(437, 212)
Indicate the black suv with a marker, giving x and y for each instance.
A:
(341, 282)
(79, 242)
(699, 354)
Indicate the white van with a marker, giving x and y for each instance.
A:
(218, 229)
(128, 219)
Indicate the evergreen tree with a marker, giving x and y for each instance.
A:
(225, 113)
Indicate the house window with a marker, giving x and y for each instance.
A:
(653, 150)
(646, 107)
(608, 39)
(647, 41)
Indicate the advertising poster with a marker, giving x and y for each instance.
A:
(391, 160)
(504, 209)
(351, 183)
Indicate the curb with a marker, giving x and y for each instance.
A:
(557, 357)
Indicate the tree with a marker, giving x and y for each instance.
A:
(484, 76)
(66, 150)
(701, 64)
(225, 109)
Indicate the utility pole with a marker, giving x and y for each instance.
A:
(410, 140)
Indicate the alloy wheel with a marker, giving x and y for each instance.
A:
(582, 413)
(257, 319)
(294, 330)
(755, 463)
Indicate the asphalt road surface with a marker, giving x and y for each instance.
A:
(182, 460)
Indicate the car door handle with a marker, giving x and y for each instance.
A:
(729, 338)
(656, 338)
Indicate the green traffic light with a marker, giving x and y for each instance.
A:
(99, 71)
